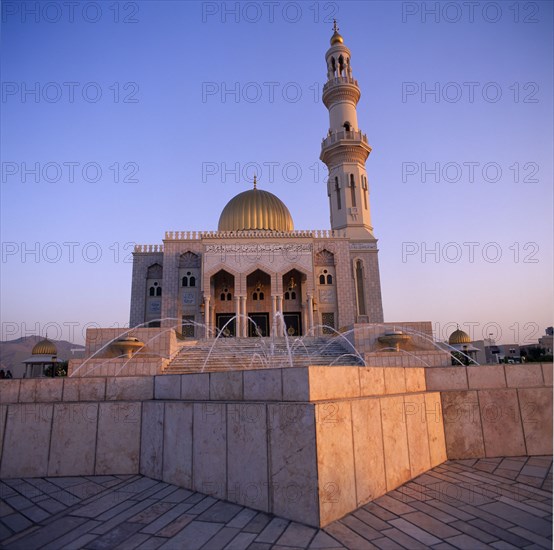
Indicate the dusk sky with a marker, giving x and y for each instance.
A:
(145, 117)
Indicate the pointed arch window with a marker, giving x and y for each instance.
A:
(225, 295)
(188, 280)
(325, 278)
(337, 190)
(258, 293)
(341, 66)
(364, 187)
(352, 190)
(360, 294)
(290, 294)
(155, 290)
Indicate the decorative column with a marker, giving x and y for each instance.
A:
(207, 314)
(274, 321)
(310, 312)
(305, 320)
(281, 322)
(238, 321)
(244, 317)
(213, 324)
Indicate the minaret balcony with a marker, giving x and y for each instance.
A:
(344, 146)
(339, 80)
(351, 137)
(341, 88)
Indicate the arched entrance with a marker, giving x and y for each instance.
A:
(224, 310)
(294, 302)
(258, 303)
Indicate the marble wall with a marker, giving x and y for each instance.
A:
(310, 444)
(495, 410)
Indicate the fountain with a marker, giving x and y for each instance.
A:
(127, 346)
(393, 339)
(145, 351)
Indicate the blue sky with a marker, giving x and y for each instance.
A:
(139, 118)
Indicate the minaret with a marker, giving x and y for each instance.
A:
(345, 149)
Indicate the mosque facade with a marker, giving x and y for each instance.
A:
(256, 275)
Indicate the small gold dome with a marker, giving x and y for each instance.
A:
(336, 39)
(255, 210)
(459, 337)
(44, 347)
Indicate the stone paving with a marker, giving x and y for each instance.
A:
(498, 503)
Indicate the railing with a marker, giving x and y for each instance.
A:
(344, 135)
(339, 80)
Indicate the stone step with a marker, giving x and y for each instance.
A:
(239, 354)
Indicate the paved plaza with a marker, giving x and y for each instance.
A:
(487, 503)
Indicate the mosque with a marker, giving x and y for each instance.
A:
(256, 275)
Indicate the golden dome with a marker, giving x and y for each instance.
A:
(255, 210)
(336, 39)
(44, 347)
(459, 337)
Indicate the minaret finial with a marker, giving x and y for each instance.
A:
(255, 182)
(336, 38)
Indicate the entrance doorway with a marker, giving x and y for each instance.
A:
(293, 323)
(261, 326)
(222, 320)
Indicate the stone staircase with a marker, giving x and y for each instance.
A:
(256, 353)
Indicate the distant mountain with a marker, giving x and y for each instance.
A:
(13, 352)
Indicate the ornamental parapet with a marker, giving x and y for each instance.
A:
(339, 80)
(149, 248)
(253, 234)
